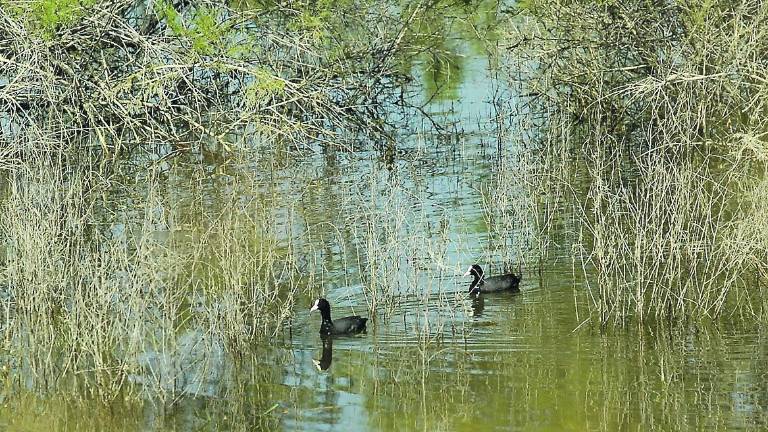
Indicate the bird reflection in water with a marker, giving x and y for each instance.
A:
(478, 304)
(327, 355)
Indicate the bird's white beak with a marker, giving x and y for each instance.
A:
(314, 306)
(469, 272)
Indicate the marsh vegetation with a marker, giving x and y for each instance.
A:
(657, 109)
(181, 179)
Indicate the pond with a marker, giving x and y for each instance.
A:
(388, 235)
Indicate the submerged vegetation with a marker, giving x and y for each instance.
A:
(661, 107)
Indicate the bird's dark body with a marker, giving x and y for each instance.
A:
(508, 282)
(342, 326)
(489, 284)
(347, 325)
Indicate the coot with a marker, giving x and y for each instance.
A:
(484, 284)
(347, 325)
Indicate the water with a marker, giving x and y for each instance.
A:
(524, 363)
(433, 358)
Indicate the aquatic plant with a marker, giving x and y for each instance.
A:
(660, 106)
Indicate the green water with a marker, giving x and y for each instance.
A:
(433, 358)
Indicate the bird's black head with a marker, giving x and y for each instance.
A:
(477, 272)
(322, 305)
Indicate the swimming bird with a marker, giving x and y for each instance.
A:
(484, 284)
(347, 325)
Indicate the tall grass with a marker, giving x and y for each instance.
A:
(401, 242)
(115, 293)
(649, 118)
(155, 281)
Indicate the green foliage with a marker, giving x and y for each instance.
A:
(312, 24)
(172, 18)
(698, 12)
(52, 13)
(207, 32)
(244, 46)
(320, 18)
(525, 5)
(265, 86)
(533, 5)
(203, 30)
(48, 16)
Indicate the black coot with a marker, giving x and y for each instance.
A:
(347, 325)
(485, 284)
